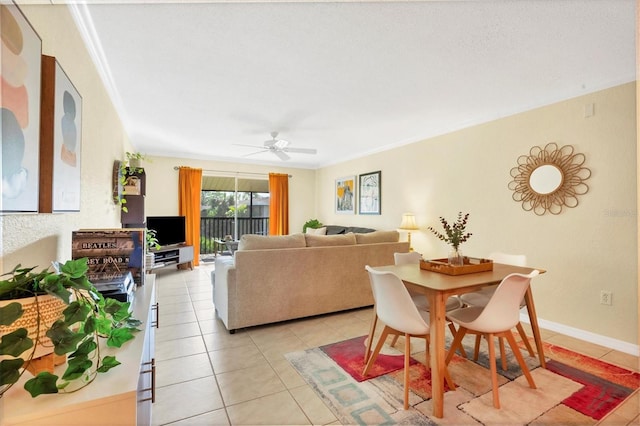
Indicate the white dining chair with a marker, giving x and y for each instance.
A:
(481, 298)
(496, 319)
(400, 316)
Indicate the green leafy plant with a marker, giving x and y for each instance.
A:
(152, 241)
(87, 318)
(453, 234)
(125, 172)
(312, 223)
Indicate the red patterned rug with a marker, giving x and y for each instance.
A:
(597, 389)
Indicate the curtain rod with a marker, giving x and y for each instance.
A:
(229, 171)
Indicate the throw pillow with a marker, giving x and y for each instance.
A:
(317, 231)
(378, 237)
(330, 240)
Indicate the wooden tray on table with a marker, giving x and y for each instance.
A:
(471, 265)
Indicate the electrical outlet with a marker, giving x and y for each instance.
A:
(606, 297)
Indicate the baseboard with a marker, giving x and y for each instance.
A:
(587, 336)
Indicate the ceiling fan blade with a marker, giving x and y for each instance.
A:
(301, 150)
(270, 143)
(256, 152)
(281, 155)
(248, 146)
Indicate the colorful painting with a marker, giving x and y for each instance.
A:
(370, 184)
(67, 140)
(346, 195)
(20, 109)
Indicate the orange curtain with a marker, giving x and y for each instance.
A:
(279, 204)
(189, 187)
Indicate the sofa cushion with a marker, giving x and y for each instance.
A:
(330, 240)
(317, 231)
(260, 242)
(335, 229)
(357, 230)
(378, 237)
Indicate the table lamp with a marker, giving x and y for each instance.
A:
(408, 224)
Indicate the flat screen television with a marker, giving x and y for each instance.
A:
(170, 230)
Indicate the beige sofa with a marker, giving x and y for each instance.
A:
(273, 279)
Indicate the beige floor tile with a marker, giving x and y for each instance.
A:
(183, 369)
(202, 296)
(223, 340)
(177, 331)
(622, 359)
(212, 418)
(287, 373)
(174, 298)
(315, 410)
(236, 358)
(213, 325)
(176, 308)
(261, 411)
(176, 318)
(205, 314)
(580, 346)
(178, 348)
(247, 384)
(187, 399)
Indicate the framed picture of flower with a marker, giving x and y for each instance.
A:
(345, 195)
(370, 195)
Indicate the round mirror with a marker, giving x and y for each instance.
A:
(545, 179)
(549, 179)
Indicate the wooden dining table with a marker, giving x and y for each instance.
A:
(438, 287)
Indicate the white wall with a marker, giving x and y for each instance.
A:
(584, 249)
(37, 239)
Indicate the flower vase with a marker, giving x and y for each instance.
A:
(455, 257)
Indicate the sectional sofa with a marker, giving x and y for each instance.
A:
(278, 278)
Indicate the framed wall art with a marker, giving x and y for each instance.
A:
(345, 195)
(20, 102)
(370, 195)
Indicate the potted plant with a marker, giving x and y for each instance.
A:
(134, 159)
(86, 317)
(151, 244)
(312, 223)
(128, 180)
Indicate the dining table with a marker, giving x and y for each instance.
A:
(438, 287)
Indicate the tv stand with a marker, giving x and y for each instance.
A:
(173, 255)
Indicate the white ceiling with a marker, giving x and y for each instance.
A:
(347, 78)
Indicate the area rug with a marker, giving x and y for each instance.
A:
(573, 389)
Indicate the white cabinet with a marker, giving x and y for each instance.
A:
(173, 255)
(118, 397)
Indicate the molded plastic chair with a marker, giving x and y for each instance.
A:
(497, 318)
(420, 299)
(481, 298)
(394, 307)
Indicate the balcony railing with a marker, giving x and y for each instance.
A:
(213, 228)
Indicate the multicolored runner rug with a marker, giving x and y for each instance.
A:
(573, 389)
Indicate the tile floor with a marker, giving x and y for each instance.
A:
(206, 376)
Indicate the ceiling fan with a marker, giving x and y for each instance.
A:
(279, 147)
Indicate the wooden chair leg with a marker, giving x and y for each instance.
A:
(453, 333)
(525, 339)
(476, 348)
(407, 352)
(376, 351)
(394, 340)
(372, 331)
(503, 357)
(518, 355)
(457, 341)
(494, 372)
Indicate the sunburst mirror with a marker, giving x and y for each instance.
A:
(549, 179)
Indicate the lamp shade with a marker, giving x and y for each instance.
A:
(408, 221)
